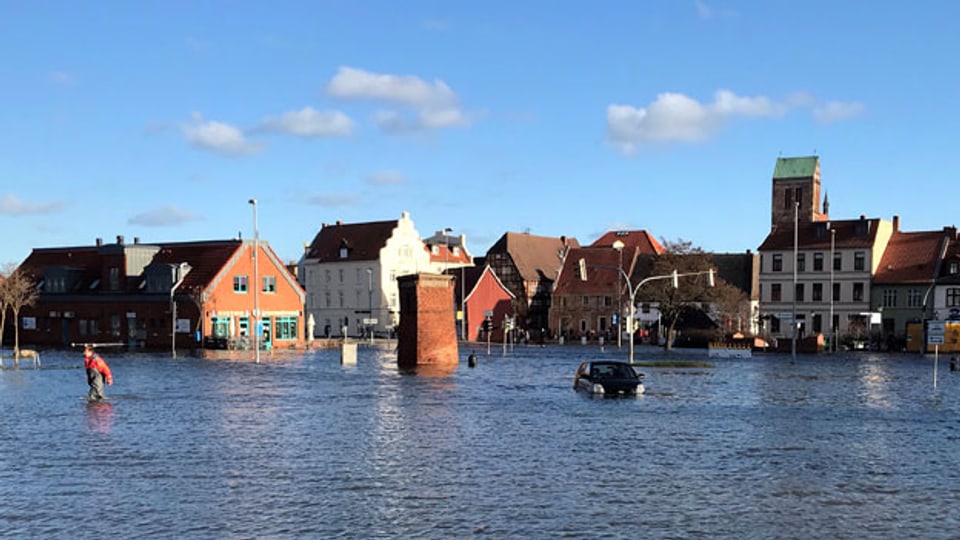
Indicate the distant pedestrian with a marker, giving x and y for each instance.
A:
(97, 372)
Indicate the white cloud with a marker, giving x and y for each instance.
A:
(309, 122)
(12, 205)
(164, 216)
(386, 177)
(219, 137)
(833, 111)
(435, 105)
(673, 117)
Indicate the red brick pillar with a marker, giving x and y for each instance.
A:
(427, 335)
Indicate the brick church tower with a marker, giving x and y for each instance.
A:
(797, 179)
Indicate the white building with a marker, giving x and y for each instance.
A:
(350, 273)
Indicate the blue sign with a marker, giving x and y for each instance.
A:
(615, 318)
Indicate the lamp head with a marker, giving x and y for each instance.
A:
(253, 202)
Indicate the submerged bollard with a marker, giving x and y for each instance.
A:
(954, 364)
(472, 360)
(348, 353)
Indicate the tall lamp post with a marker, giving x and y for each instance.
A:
(673, 276)
(618, 245)
(796, 224)
(256, 285)
(833, 329)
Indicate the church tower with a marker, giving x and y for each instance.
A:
(796, 179)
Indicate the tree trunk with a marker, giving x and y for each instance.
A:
(16, 338)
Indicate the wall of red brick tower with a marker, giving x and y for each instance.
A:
(427, 334)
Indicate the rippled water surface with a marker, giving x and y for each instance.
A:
(300, 446)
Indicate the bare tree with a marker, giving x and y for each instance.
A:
(692, 291)
(5, 272)
(17, 291)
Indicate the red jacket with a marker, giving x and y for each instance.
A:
(95, 362)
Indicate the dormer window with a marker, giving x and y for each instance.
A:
(435, 250)
(954, 268)
(344, 252)
(456, 250)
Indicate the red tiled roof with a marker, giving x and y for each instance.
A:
(813, 235)
(534, 256)
(363, 240)
(910, 257)
(206, 259)
(642, 240)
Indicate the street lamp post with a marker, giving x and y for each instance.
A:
(833, 329)
(256, 285)
(618, 245)
(796, 222)
(674, 276)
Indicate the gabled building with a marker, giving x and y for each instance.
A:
(834, 260)
(447, 252)
(162, 295)
(903, 286)
(350, 275)
(593, 306)
(487, 299)
(528, 265)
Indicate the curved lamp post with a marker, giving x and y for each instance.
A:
(673, 276)
(256, 285)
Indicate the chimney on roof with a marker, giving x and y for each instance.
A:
(896, 223)
(119, 239)
(339, 222)
(563, 239)
(136, 239)
(99, 242)
(323, 225)
(862, 217)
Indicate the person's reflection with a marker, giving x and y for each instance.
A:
(99, 416)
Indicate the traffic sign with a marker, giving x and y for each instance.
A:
(936, 330)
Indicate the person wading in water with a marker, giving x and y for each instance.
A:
(97, 372)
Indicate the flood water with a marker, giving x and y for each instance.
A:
(299, 446)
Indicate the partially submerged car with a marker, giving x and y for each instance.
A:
(608, 378)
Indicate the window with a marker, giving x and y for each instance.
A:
(434, 250)
(787, 199)
(777, 262)
(585, 300)
(858, 261)
(269, 284)
(836, 292)
(889, 298)
(818, 323)
(817, 292)
(115, 325)
(914, 298)
(801, 262)
(285, 328)
(114, 278)
(240, 284)
(953, 297)
(858, 292)
(775, 292)
(837, 260)
(799, 292)
(341, 298)
(775, 325)
(326, 275)
(344, 253)
(818, 262)
(954, 268)
(645, 308)
(607, 301)
(221, 326)
(326, 299)
(341, 275)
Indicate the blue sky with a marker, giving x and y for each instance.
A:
(161, 119)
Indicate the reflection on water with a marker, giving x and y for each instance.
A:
(99, 416)
(830, 446)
